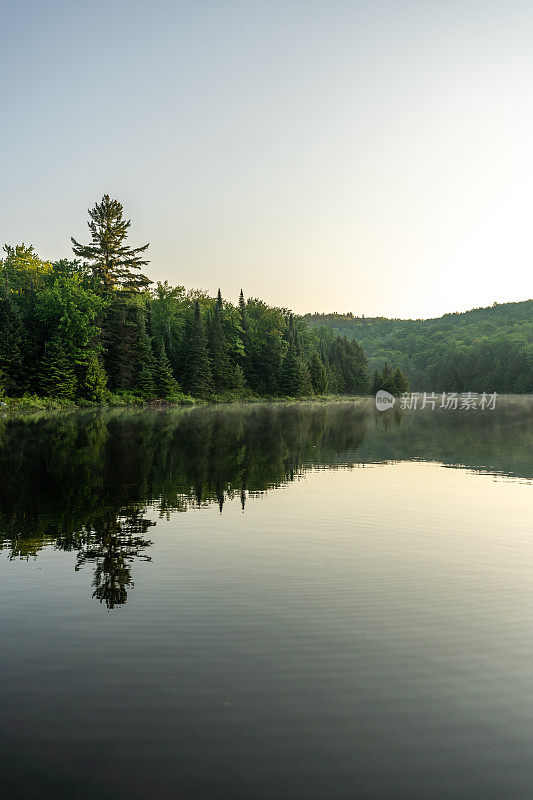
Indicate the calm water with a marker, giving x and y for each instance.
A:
(267, 602)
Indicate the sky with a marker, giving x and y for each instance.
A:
(373, 157)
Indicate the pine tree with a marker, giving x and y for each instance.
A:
(57, 373)
(144, 383)
(306, 382)
(401, 384)
(95, 379)
(245, 327)
(238, 380)
(112, 261)
(318, 374)
(291, 334)
(220, 362)
(197, 368)
(392, 381)
(291, 374)
(388, 381)
(165, 383)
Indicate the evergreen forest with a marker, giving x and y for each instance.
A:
(93, 328)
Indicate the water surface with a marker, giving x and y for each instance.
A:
(278, 601)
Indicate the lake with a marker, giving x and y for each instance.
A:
(266, 602)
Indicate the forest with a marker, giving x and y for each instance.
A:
(486, 349)
(94, 329)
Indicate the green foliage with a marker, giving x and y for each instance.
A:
(291, 382)
(264, 329)
(57, 373)
(198, 375)
(221, 367)
(11, 342)
(110, 258)
(486, 349)
(94, 385)
(401, 382)
(165, 383)
(89, 328)
(390, 380)
(318, 376)
(145, 382)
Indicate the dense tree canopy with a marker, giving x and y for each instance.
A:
(91, 328)
(486, 349)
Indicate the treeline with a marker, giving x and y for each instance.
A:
(390, 380)
(486, 349)
(92, 328)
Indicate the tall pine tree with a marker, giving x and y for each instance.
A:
(112, 261)
(144, 383)
(221, 367)
(198, 375)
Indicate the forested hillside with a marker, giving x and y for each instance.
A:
(486, 349)
(93, 328)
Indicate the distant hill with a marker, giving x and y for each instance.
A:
(485, 349)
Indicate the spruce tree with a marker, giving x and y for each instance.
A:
(57, 373)
(144, 383)
(388, 380)
(238, 380)
(245, 335)
(401, 384)
(318, 374)
(291, 374)
(218, 348)
(165, 384)
(94, 383)
(112, 261)
(198, 369)
(306, 382)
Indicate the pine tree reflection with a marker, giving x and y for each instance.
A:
(112, 549)
(85, 482)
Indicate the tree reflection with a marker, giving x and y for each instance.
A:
(112, 549)
(92, 482)
(85, 482)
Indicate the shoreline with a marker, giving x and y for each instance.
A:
(20, 406)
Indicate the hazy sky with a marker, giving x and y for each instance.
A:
(374, 157)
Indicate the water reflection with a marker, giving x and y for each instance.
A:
(85, 482)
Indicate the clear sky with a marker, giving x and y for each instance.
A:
(373, 156)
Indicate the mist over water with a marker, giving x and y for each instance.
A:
(268, 601)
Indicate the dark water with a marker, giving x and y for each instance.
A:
(267, 602)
